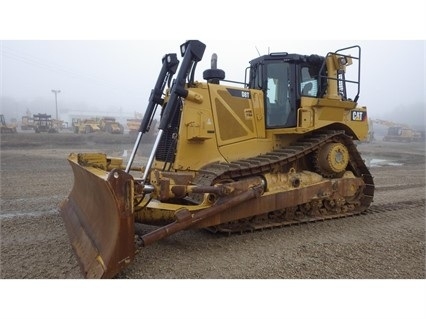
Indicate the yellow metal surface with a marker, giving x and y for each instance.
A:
(333, 157)
(97, 160)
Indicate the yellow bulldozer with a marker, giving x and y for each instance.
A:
(277, 149)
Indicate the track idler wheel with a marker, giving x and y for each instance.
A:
(332, 159)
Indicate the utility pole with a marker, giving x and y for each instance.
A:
(56, 101)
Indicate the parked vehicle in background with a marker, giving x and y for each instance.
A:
(44, 123)
(110, 125)
(5, 127)
(86, 126)
(397, 132)
(133, 125)
(27, 123)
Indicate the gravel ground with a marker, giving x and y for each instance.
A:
(35, 178)
(34, 244)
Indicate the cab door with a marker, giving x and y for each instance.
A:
(280, 97)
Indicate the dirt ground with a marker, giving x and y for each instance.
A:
(387, 244)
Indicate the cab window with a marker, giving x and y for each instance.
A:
(309, 82)
(278, 101)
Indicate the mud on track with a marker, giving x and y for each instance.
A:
(388, 243)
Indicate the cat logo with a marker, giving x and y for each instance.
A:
(358, 116)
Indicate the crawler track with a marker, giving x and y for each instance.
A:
(374, 209)
(280, 160)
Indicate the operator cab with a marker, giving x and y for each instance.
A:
(284, 78)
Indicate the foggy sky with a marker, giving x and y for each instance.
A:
(117, 76)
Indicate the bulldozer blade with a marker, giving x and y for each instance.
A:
(98, 217)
